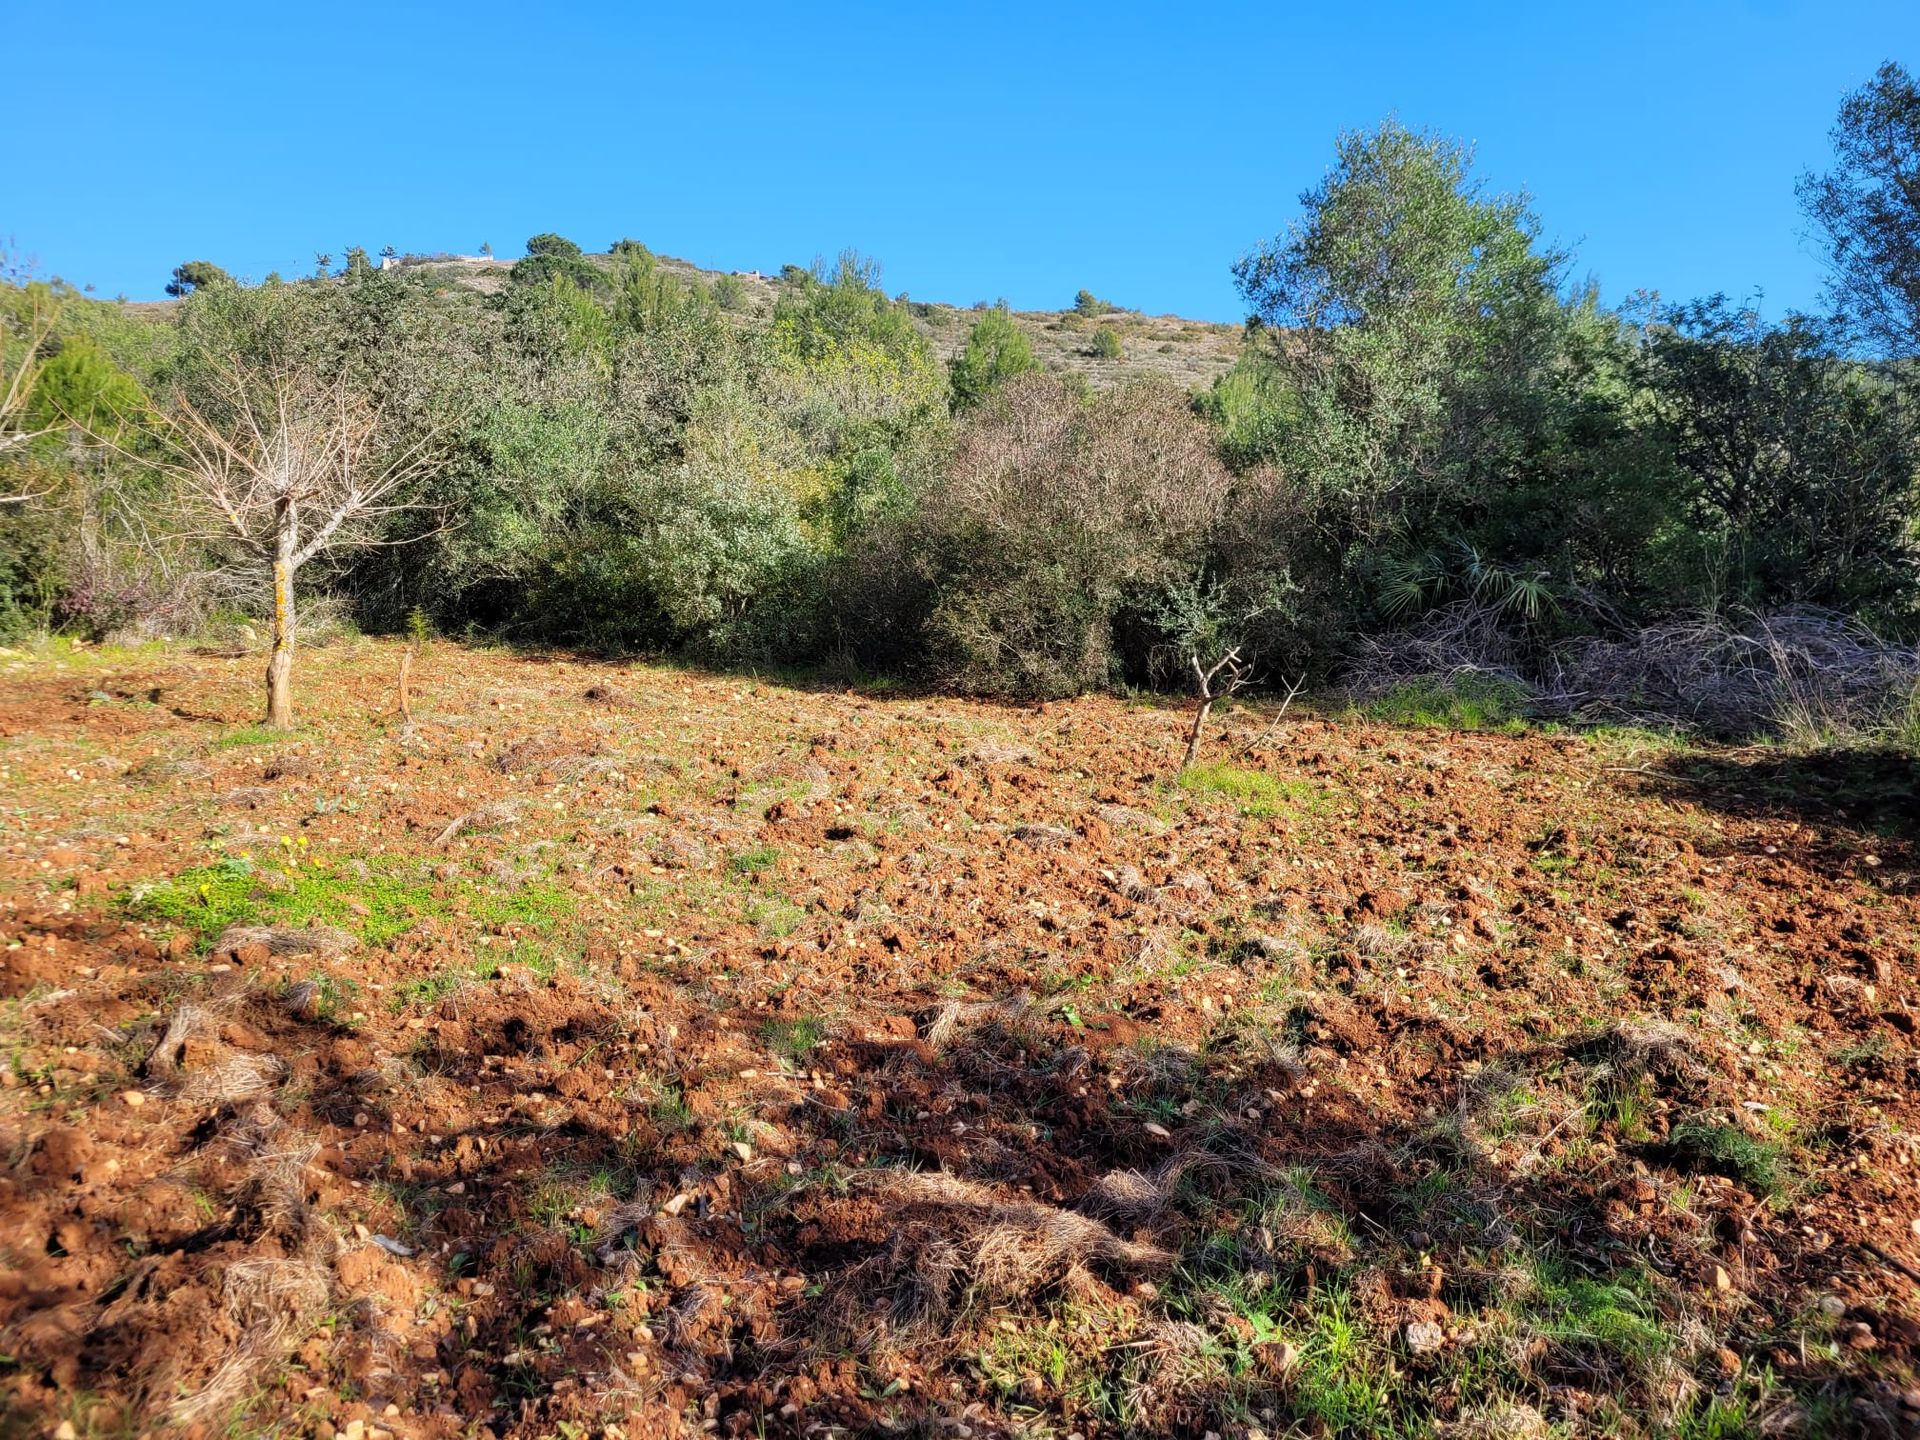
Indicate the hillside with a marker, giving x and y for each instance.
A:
(1190, 353)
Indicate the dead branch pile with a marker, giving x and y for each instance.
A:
(1780, 671)
(1457, 642)
(1800, 669)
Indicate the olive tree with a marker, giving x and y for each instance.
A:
(1411, 313)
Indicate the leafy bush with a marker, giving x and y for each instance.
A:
(1085, 302)
(730, 293)
(1106, 344)
(1054, 516)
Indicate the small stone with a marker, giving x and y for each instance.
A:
(1160, 1131)
(134, 1099)
(1860, 1336)
(1424, 1337)
(1721, 1279)
(743, 1150)
(65, 1431)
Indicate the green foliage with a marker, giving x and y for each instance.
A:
(81, 385)
(196, 275)
(995, 352)
(829, 315)
(1800, 465)
(551, 246)
(755, 861)
(285, 890)
(1251, 407)
(1727, 1150)
(793, 1039)
(551, 257)
(1410, 583)
(548, 269)
(1408, 299)
(376, 900)
(1420, 417)
(1254, 792)
(1867, 209)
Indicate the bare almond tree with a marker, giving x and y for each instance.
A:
(280, 465)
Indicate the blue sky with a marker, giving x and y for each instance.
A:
(977, 151)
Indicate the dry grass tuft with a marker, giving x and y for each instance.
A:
(1629, 1049)
(485, 817)
(235, 1077)
(996, 752)
(270, 1302)
(956, 1243)
(1137, 1197)
(324, 940)
(1498, 1421)
(1128, 882)
(183, 1026)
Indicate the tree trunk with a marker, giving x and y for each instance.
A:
(1193, 738)
(280, 662)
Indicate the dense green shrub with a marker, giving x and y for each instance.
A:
(196, 275)
(553, 257)
(1106, 344)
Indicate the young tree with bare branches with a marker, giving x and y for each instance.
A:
(20, 371)
(278, 464)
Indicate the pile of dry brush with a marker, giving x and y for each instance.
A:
(1799, 671)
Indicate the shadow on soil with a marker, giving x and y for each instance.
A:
(1040, 1221)
(1873, 791)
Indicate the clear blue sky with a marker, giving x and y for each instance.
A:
(978, 151)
